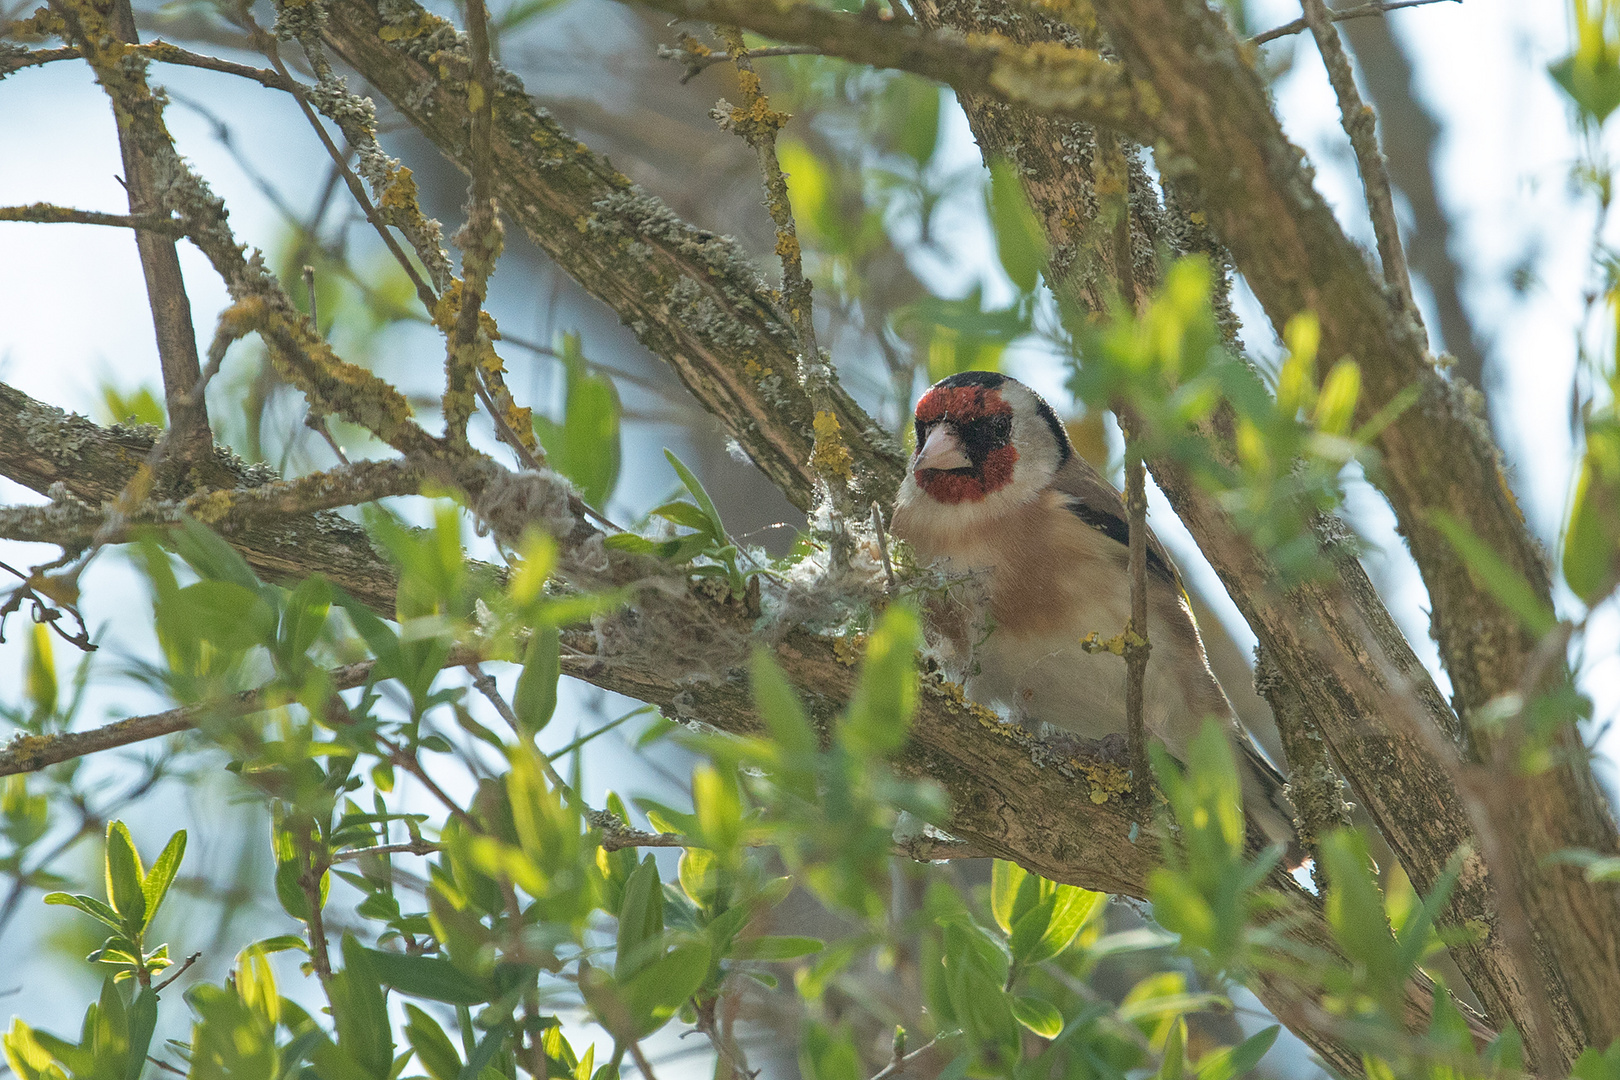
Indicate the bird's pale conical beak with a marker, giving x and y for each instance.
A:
(942, 450)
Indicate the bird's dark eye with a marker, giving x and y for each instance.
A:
(984, 434)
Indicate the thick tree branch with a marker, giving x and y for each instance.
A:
(1061, 80)
(1325, 670)
(1437, 455)
(41, 446)
(72, 523)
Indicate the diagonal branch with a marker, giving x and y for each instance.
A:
(1360, 123)
(691, 297)
(140, 129)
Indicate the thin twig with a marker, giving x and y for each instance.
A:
(479, 239)
(160, 222)
(192, 959)
(141, 127)
(1361, 124)
(30, 753)
(758, 124)
(698, 59)
(414, 847)
(1137, 647)
(897, 1066)
(160, 51)
(641, 1061)
(1358, 12)
(310, 882)
(883, 546)
(267, 44)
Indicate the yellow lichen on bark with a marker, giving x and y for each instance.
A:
(830, 457)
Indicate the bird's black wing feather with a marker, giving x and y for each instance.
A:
(1094, 501)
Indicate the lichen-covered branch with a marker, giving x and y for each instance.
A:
(1059, 79)
(73, 524)
(479, 239)
(41, 446)
(1362, 126)
(161, 51)
(51, 214)
(690, 296)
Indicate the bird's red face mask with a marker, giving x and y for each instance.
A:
(964, 443)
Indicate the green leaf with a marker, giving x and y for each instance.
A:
(654, 993)
(536, 697)
(1173, 1064)
(429, 977)
(304, 615)
(1005, 880)
(210, 556)
(687, 514)
(1028, 930)
(641, 918)
(89, 905)
(1041, 1017)
(1492, 573)
(1066, 912)
(124, 875)
(378, 636)
(585, 446)
(880, 710)
(1595, 1064)
(1355, 911)
(41, 679)
(829, 1054)
(776, 948)
(1020, 239)
(1591, 81)
(1231, 1062)
(142, 1020)
(1336, 405)
(701, 497)
(229, 616)
(161, 876)
(780, 708)
(718, 808)
(360, 1011)
(1592, 536)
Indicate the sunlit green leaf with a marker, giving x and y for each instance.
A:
(1040, 1016)
(124, 875)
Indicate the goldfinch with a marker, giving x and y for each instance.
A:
(996, 492)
